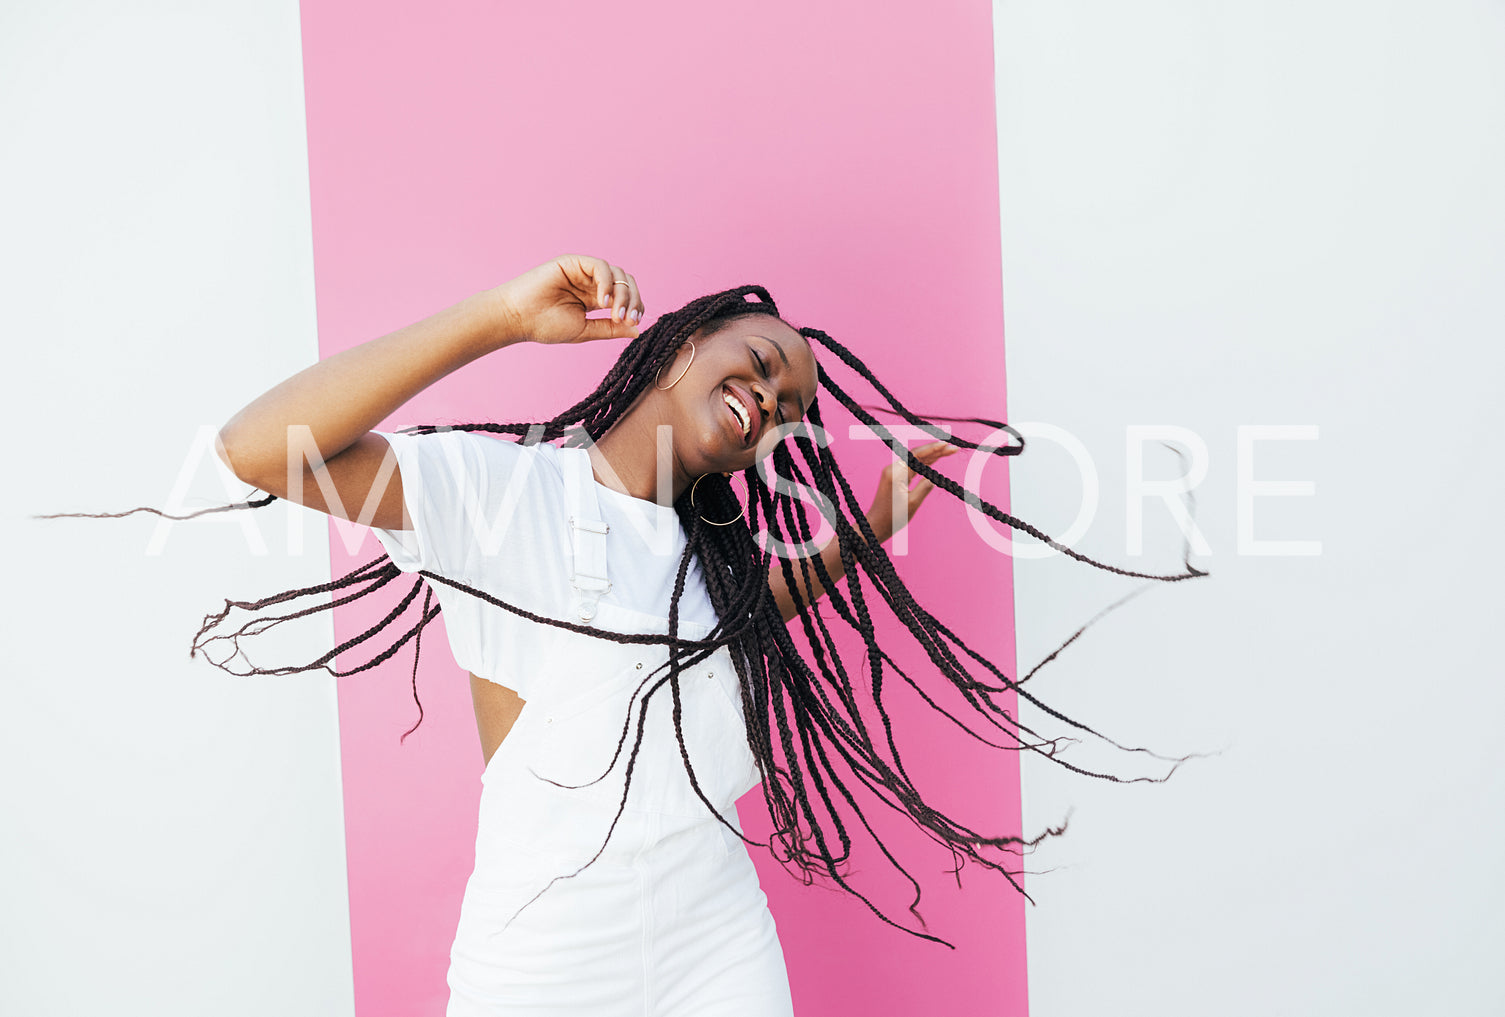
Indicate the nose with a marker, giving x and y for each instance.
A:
(765, 401)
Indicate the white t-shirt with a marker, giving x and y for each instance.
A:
(492, 514)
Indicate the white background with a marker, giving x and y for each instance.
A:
(172, 840)
(1287, 213)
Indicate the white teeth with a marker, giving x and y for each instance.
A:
(740, 411)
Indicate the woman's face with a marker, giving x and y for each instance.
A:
(744, 381)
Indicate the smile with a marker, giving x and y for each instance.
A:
(739, 410)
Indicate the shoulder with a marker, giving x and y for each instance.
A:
(536, 467)
(470, 451)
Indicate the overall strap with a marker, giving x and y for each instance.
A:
(587, 533)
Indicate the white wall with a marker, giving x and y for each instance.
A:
(1217, 215)
(172, 838)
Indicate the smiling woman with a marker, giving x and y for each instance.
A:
(726, 389)
(629, 685)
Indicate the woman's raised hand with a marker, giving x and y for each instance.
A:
(893, 485)
(895, 481)
(548, 304)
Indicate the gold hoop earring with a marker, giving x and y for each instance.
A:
(665, 388)
(703, 518)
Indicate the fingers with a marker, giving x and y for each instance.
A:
(626, 305)
(605, 328)
(927, 454)
(618, 290)
(586, 274)
(897, 476)
(614, 287)
(918, 493)
(601, 276)
(611, 287)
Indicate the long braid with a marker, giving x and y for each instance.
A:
(804, 724)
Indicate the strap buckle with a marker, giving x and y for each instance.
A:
(591, 525)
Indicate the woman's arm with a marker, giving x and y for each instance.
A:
(342, 398)
(880, 516)
(830, 556)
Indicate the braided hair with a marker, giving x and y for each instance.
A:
(802, 714)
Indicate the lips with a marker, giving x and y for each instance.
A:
(749, 406)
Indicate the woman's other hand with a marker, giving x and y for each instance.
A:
(894, 482)
(548, 304)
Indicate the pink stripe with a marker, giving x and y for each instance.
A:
(842, 158)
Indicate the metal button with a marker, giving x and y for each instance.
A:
(640, 665)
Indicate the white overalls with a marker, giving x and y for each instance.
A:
(670, 920)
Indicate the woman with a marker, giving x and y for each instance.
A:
(630, 667)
